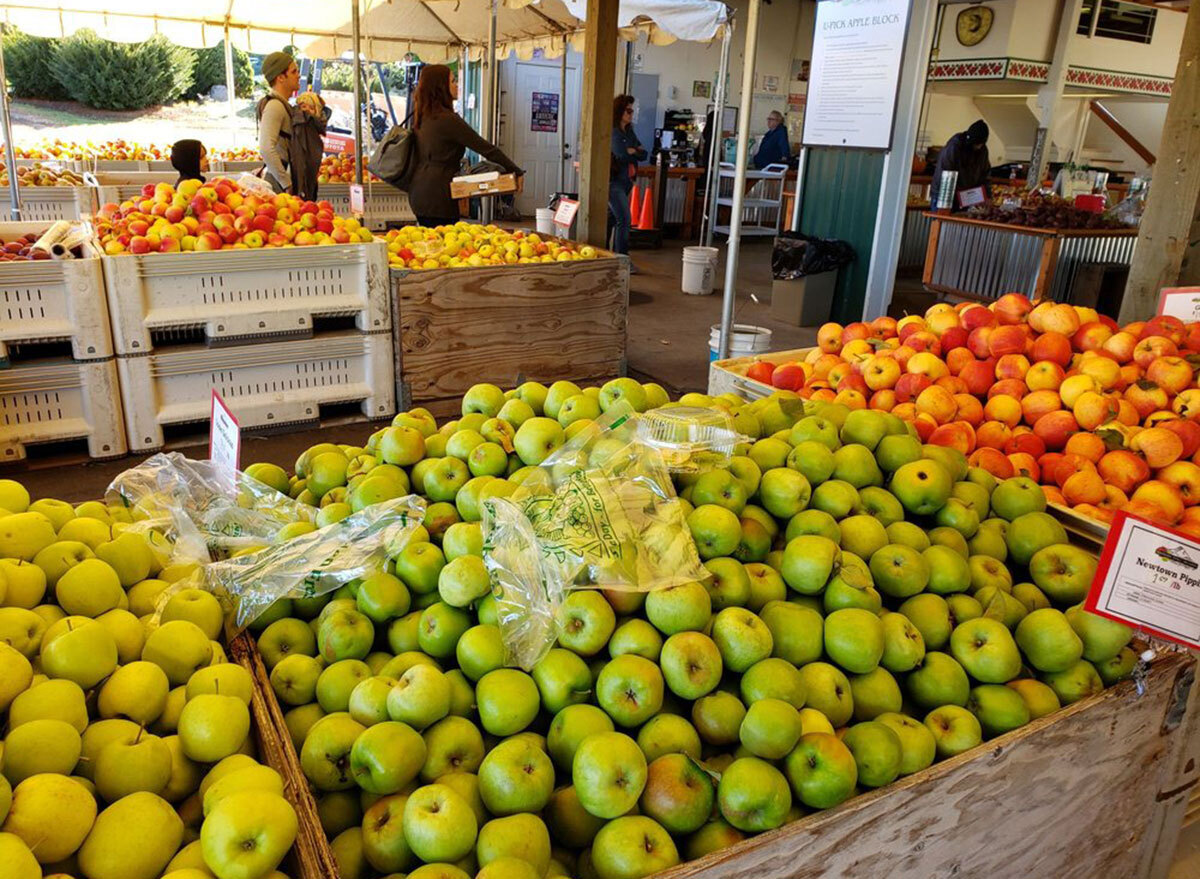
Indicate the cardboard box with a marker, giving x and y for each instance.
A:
(805, 302)
(490, 183)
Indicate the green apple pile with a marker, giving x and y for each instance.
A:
(872, 605)
(127, 749)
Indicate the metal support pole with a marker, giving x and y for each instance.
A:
(714, 144)
(739, 180)
(491, 102)
(10, 149)
(562, 120)
(798, 198)
(230, 88)
(358, 105)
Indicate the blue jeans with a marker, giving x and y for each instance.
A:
(618, 203)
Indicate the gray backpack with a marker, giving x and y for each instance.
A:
(395, 157)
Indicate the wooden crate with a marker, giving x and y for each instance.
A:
(505, 325)
(311, 854)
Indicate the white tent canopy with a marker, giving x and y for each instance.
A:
(434, 30)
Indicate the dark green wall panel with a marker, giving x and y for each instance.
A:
(841, 197)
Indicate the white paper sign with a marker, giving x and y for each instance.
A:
(858, 46)
(1180, 302)
(224, 442)
(973, 196)
(356, 199)
(1149, 578)
(564, 215)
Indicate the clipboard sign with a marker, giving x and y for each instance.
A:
(356, 199)
(1180, 302)
(970, 197)
(565, 214)
(224, 442)
(1149, 578)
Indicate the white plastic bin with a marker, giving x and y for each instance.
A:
(61, 400)
(745, 339)
(382, 203)
(242, 295)
(545, 221)
(52, 301)
(699, 270)
(267, 385)
(50, 202)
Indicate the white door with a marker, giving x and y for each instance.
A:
(531, 111)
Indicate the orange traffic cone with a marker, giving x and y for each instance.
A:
(633, 202)
(646, 220)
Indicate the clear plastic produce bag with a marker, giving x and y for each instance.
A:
(600, 512)
(191, 503)
(317, 562)
(691, 439)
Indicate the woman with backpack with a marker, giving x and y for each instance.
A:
(289, 137)
(441, 139)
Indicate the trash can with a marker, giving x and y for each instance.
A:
(805, 277)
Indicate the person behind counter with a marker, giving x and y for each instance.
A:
(773, 149)
(442, 138)
(966, 153)
(190, 159)
(626, 151)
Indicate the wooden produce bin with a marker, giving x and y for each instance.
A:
(506, 324)
(982, 260)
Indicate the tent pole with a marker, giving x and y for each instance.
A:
(714, 144)
(562, 120)
(230, 88)
(739, 180)
(796, 199)
(10, 151)
(358, 104)
(492, 104)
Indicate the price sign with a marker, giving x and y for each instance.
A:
(1149, 578)
(1180, 302)
(973, 196)
(224, 442)
(565, 214)
(356, 199)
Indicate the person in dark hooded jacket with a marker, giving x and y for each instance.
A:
(966, 153)
(190, 159)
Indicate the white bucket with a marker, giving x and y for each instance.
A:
(699, 270)
(744, 341)
(545, 221)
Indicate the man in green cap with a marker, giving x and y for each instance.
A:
(275, 118)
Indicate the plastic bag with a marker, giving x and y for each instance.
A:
(599, 512)
(190, 502)
(317, 562)
(797, 255)
(253, 183)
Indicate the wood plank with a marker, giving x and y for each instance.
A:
(935, 232)
(1071, 795)
(596, 124)
(1034, 230)
(1046, 268)
(508, 324)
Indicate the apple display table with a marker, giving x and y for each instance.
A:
(508, 324)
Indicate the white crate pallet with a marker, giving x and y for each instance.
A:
(50, 202)
(53, 300)
(729, 376)
(65, 164)
(118, 186)
(242, 295)
(381, 203)
(54, 401)
(266, 385)
(233, 167)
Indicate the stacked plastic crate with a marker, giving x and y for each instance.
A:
(58, 377)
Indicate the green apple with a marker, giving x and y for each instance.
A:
(922, 486)
(813, 428)
(247, 834)
(22, 630)
(571, 726)
(137, 762)
(609, 773)
(127, 632)
(769, 453)
(558, 393)
(111, 851)
(954, 729)
(521, 838)
(917, 745)
(587, 621)
(827, 689)
(770, 729)
(854, 639)
(624, 390)
(52, 814)
(986, 649)
(337, 681)
(439, 824)
(1016, 496)
(41, 745)
(822, 770)
(508, 700)
(439, 628)
(632, 846)
(250, 777)
(197, 606)
(89, 588)
(810, 521)
(729, 585)
(572, 825)
(998, 708)
(294, 678)
(137, 691)
(837, 497)
(1062, 571)
(753, 795)
(23, 535)
(180, 648)
(715, 529)
(877, 751)
(680, 608)
(537, 439)
(80, 650)
(1031, 532)
(903, 644)
(741, 637)
(722, 488)
(668, 734)
(629, 689)
(325, 755)
(808, 563)
(485, 399)
(938, 680)
(212, 726)
(1048, 641)
(516, 776)
(1117, 668)
(1039, 698)
(949, 571)
(386, 757)
(899, 571)
(562, 677)
(420, 698)
(784, 492)
(345, 634)
(678, 794)
(797, 633)
(1075, 683)
(26, 583)
(16, 674)
(875, 693)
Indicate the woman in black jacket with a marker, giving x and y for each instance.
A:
(442, 138)
(190, 159)
(627, 150)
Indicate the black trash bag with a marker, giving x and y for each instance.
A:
(797, 255)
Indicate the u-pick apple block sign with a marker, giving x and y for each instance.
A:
(1149, 577)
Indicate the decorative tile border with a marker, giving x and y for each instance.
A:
(1024, 70)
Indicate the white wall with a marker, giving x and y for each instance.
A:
(1159, 57)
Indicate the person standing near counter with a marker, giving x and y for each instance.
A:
(773, 149)
(627, 151)
(966, 153)
(442, 139)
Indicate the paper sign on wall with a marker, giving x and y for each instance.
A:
(1180, 302)
(1149, 578)
(543, 114)
(224, 442)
